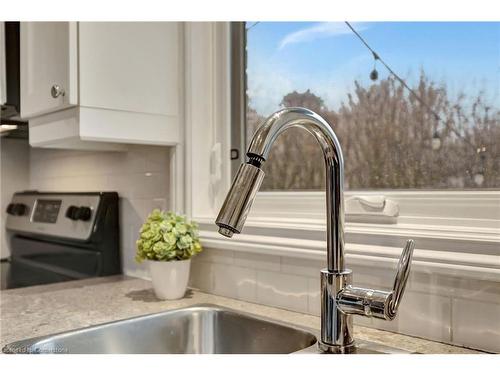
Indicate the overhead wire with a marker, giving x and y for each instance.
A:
(377, 57)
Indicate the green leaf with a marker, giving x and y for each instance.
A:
(167, 236)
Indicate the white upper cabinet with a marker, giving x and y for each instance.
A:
(130, 66)
(117, 83)
(48, 67)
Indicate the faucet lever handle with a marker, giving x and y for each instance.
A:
(402, 274)
(379, 303)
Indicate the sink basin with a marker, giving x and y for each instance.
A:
(199, 329)
(193, 330)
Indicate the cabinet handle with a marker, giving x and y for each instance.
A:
(57, 91)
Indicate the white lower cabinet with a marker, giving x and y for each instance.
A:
(101, 85)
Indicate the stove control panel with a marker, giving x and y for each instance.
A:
(69, 215)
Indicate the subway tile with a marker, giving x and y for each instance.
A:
(131, 212)
(373, 277)
(476, 324)
(129, 264)
(139, 185)
(235, 282)
(302, 267)
(425, 315)
(152, 204)
(130, 162)
(70, 183)
(459, 287)
(44, 184)
(216, 256)
(157, 159)
(282, 290)
(257, 261)
(314, 296)
(201, 275)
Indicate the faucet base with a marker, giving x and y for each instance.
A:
(336, 325)
(336, 349)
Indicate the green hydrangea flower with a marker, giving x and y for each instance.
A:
(167, 236)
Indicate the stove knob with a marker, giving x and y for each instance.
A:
(79, 213)
(10, 208)
(71, 213)
(84, 213)
(17, 209)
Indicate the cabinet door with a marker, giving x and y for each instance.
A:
(130, 66)
(48, 67)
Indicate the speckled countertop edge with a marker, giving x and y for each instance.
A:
(47, 309)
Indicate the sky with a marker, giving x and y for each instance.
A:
(326, 57)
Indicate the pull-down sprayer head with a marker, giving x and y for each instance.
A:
(239, 199)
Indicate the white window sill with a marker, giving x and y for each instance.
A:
(452, 251)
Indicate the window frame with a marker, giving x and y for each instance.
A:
(266, 205)
(445, 244)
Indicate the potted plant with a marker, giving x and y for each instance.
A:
(167, 241)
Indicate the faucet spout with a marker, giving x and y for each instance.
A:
(258, 152)
(339, 299)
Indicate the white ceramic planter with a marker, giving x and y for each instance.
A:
(170, 279)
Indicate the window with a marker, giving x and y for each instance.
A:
(390, 139)
(456, 231)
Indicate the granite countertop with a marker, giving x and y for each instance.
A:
(47, 309)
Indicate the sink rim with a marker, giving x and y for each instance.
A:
(21, 346)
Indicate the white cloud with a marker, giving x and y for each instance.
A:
(267, 84)
(319, 30)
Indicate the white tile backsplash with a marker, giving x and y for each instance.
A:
(282, 290)
(234, 281)
(139, 175)
(257, 261)
(436, 307)
(425, 315)
(216, 256)
(470, 289)
(314, 296)
(201, 275)
(14, 170)
(476, 324)
(303, 267)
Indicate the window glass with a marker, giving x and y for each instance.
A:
(390, 139)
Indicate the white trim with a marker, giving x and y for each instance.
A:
(446, 208)
(177, 153)
(207, 109)
(482, 267)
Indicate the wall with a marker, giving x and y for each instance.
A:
(443, 308)
(140, 176)
(14, 170)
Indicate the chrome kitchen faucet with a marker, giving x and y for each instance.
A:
(339, 299)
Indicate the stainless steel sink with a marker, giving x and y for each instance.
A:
(198, 329)
(201, 329)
